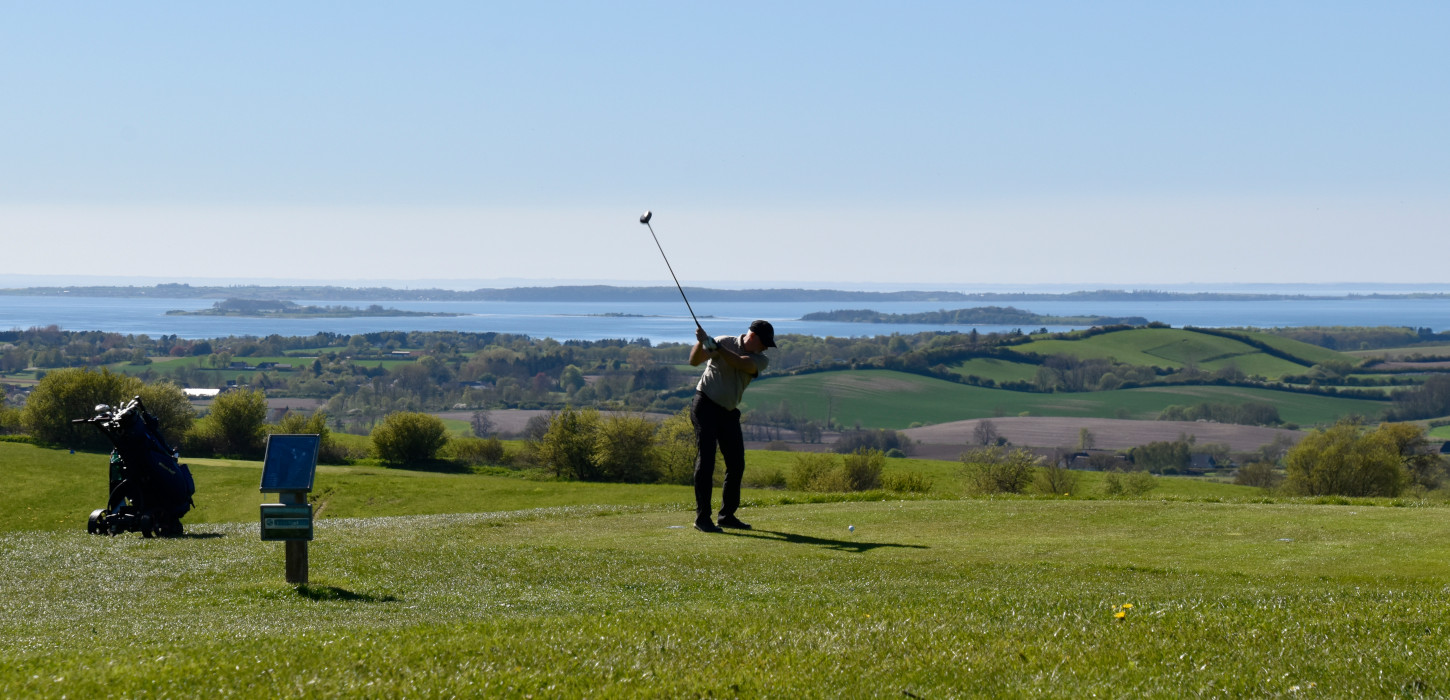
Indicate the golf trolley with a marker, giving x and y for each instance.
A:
(150, 490)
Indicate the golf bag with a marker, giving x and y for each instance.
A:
(150, 490)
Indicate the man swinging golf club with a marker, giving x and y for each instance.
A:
(730, 363)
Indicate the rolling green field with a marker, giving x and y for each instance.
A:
(932, 598)
(896, 400)
(996, 370)
(1175, 348)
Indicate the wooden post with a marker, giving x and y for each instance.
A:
(296, 549)
(296, 561)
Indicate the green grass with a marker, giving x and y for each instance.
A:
(477, 586)
(932, 598)
(1440, 433)
(997, 370)
(1176, 348)
(888, 399)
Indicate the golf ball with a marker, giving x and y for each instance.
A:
(852, 528)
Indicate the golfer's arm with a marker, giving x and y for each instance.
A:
(739, 362)
(698, 355)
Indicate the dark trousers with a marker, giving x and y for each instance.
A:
(715, 426)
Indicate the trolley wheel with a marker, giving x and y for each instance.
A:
(94, 525)
(147, 526)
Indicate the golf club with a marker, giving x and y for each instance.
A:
(644, 219)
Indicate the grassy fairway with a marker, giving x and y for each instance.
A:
(887, 399)
(932, 598)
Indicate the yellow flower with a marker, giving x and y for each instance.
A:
(1120, 614)
(1127, 606)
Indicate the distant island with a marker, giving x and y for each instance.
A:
(268, 308)
(571, 293)
(981, 315)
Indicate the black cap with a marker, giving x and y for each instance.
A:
(764, 331)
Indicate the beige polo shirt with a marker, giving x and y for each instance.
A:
(724, 384)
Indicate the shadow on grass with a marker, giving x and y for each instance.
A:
(839, 545)
(197, 536)
(326, 593)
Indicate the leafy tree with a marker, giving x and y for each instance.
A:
(1163, 457)
(1346, 461)
(409, 437)
(67, 394)
(675, 449)
(624, 449)
(236, 422)
(1085, 439)
(567, 447)
(173, 411)
(994, 469)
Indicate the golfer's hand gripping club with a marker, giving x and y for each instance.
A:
(706, 341)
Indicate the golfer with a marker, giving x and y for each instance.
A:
(730, 363)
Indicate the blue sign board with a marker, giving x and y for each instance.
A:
(290, 464)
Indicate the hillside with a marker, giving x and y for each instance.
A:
(897, 400)
(1175, 348)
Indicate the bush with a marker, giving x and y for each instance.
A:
(907, 482)
(234, 426)
(1135, 483)
(566, 449)
(675, 449)
(67, 394)
(409, 437)
(1260, 474)
(1343, 460)
(996, 470)
(475, 451)
(861, 470)
(812, 471)
(1052, 479)
(624, 450)
(772, 479)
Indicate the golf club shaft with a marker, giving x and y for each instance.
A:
(672, 274)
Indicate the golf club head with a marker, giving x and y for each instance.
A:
(644, 218)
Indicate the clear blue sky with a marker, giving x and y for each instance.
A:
(915, 143)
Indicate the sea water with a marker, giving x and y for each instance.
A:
(663, 322)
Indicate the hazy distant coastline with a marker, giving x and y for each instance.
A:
(646, 294)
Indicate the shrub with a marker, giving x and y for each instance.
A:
(996, 470)
(234, 426)
(907, 482)
(1135, 483)
(861, 470)
(768, 479)
(1343, 460)
(675, 449)
(812, 471)
(624, 449)
(1260, 474)
(1052, 479)
(67, 394)
(566, 449)
(409, 437)
(475, 451)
